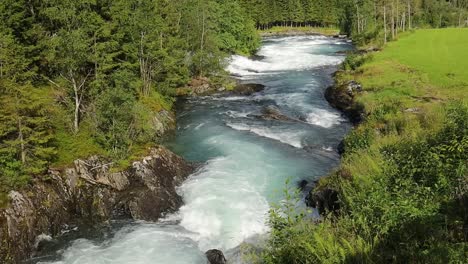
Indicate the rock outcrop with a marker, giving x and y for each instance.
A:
(324, 200)
(89, 193)
(215, 256)
(342, 97)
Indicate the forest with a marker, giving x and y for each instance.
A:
(82, 77)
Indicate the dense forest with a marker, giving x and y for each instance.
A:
(82, 77)
(364, 18)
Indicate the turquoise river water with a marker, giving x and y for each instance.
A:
(246, 160)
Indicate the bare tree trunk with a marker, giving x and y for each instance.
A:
(202, 41)
(393, 19)
(78, 93)
(76, 119)
(385, 22)
(358, 18)
(409, 14)
(397, 16)
(21, 140)
(403, 21)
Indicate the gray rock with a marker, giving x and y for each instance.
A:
(215, 256)
(248, 88)
(273, 113)
(325, 200)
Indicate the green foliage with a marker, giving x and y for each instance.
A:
(86, 77)
(26, 140)
(412, 211)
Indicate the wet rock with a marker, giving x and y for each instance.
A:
(273, 113)
(341, 147)
(257, 57)
(248, 88)
(324, 200)
(342, 98)
(302, 184)
(215, 256)
(89, 193)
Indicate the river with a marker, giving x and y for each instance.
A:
(246, 160)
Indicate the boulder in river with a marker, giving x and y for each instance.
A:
(257, 57)
(272, 112)
(248, 88)
(215, 256)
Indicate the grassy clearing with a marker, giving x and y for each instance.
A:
(426, 66)
(328, 31)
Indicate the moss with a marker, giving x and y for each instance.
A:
(4, 200)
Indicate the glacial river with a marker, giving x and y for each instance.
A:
(246, 160)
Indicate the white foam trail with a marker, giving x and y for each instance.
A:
(291, 138)
(324, 118)
(199, 126)
(236, 114)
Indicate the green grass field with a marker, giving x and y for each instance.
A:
(425, 66)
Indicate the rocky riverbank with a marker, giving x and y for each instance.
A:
(341, 96)
(90, 193)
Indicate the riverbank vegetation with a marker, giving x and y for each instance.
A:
(79, 78)
(403, 182)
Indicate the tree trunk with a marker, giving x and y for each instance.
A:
(21, 140)
(202, 42)
(385, 22)
(76, 119)
(409, 14)
(393, 19)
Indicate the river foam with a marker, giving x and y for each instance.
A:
(290, 54)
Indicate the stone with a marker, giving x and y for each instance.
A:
(324, 200)
(215, 256)
(272, 112)
(248, 88)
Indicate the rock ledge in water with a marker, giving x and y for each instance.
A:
(273, 113)
(248, 88)
(87, 194)
(215, 256)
